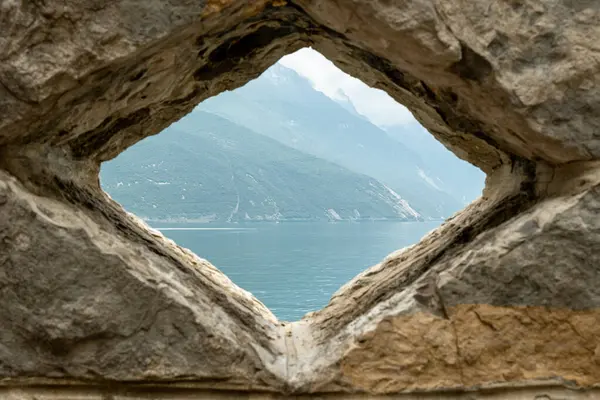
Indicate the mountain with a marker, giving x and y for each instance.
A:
(205, 168)
(451, 174)
(343, 100)
(284, 106)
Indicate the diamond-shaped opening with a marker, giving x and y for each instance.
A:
(295, 182)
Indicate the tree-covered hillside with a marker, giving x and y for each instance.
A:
(206, 168)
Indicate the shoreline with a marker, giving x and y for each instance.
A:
(254, 225)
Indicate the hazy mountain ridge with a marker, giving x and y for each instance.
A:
(277, 149)
(208, 169)
(284, 106)
(453, 175)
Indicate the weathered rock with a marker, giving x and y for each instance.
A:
(82, 300)
(129, 393)
(503, 295)
(507, 307)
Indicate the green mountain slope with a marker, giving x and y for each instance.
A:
(206, 168)
(284, 106)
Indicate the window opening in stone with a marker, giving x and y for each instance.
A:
(295, 182)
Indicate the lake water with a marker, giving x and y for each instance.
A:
(294, 268)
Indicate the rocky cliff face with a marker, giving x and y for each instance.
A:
(504, 295)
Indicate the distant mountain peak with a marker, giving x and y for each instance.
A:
(345, 101)
(278, 74)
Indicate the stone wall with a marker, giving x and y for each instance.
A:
(504, 295)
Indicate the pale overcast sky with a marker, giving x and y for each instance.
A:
(375, 104)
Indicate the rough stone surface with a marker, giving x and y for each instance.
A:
(502, 301)
(105, 307)
(129, 393)
(509, 305)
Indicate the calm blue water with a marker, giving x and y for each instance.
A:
(294, 268)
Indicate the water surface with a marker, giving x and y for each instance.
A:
(295, 267)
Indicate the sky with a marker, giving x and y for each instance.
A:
(374, 104)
